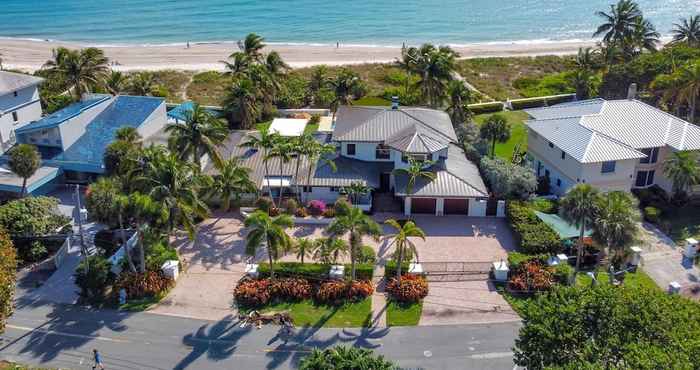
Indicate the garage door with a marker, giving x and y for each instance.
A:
(456, 206)
(423, 205)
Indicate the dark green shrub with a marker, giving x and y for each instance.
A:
(367, 255)
(108, 242)
(345, 358)
(544, 205)
(158, 253)
(37, 251)
(483, 108)
(295, 269)
(653, 196)
(390, 268)
(94, 282)
(264, 204)
(533, 235)
(652, 214)
(363, 271)
(515, 259)
(563, 272)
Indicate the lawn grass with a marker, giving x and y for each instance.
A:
(373, 101)
(4, 365)
(400, 314)
(308, 313)
(684, 222)
(518, 132)
(377, 76)
(142, 304)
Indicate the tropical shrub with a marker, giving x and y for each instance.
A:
(390, 268)
(366, 255)
(413, 288)
(653, 196)
(274, 212)
(339, 291)
(99, 201)
(252, 293)
(544, 205)
(508, 180)
(37, 251)
(317, 207)
(8, 271)
(363, 271)
(515, 259)
(264, 204)
(291, 206)
(329, 213)
(531, 276)
(544, 185)
(94, 280)
(533, 235)
(293, 289)
(31, 216)
(359, 290)
(652, 214)
(301, 212)
(157, 253)
(148, 284)
(345, 358)
(563, 272)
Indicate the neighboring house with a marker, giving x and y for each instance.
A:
(72, 141)
(372, 142)
(613, 145)
(19, 104)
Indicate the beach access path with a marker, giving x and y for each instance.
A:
(32, 54)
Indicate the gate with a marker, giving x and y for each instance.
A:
(457, 271)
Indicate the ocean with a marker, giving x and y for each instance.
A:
(354, 22)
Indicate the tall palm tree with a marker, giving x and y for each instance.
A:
(459, 97)
(81, 69)
(495, 129)
(300, 148)
(687, 32)
(317, 81)
(616, 220)
(148, 215)
(142, 83)
(238, 66)
(414, 171)
(401, 239)
(282, 151)
(343, 86)
(353, 221)
(304, 247)
(175, 184)
(683, 170)
(328, 250)
(643, 37)
(128, 134)
(263, 140)
(200, 134)
(120, 206)
(579, 206)
(276, 68)
(316, 153)
(434, 66)
(687, 87)
(268, 232)
(619, 23)
(241, 103)
(252, 46)
(232, 180)
(24, 161)
(115, 83)
(587, 59)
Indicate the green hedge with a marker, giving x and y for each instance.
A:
(390, 269)
(533, 236)
(316, 271)
(483, 108)
(539, 102)
(517, 258)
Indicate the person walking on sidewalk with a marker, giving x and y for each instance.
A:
(98, 360)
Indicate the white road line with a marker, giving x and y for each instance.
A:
(53, 332)
(490, 355)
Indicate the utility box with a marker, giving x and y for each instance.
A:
(171, 269)
(337, 272)
(500, 270)
(691, 248)
(251, 270)
(674, 287)
(636, 257)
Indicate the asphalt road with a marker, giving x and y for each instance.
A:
(64, 336)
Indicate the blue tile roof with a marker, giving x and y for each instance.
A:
(62, 115)
(125, 111)
(180, 112)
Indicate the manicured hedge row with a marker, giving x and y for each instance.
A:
(539, 101)
(482, 108)
(313, 270)
(533, 235)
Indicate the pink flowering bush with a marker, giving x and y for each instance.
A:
(317, 207)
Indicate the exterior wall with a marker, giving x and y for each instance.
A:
(156, 121)
(48, 137)
(74, 128)
(658, 168)
(622, 179)
(28, 108)
(322, 193)
(366, 152)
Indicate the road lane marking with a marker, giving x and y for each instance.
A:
(54, 332)
(491, 355)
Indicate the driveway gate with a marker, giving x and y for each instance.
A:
(457, 271)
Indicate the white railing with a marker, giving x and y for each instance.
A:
(120, 253)
(61, 253)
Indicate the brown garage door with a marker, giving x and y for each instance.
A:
(423, 205)
(456, 206)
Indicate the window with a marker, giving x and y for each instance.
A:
(351, 149)
(644, 178)
(382, 152)
(558, 182)
(652, 155)
(551, 145)
(15, 117)
(307, 189)
(15, 94)
(607, 167)
(563, 155)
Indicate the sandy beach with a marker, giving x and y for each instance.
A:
(30, 55)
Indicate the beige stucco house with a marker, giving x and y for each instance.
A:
(613, 145)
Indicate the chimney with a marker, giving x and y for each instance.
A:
(632, 91)
(394, 102)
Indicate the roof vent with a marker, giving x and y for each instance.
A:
(394, 102)
(632, 91)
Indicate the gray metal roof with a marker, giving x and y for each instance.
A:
(11, 81)
(349, 171)
(380, 124)
(627, 124)
(416, 139)
(456, 177)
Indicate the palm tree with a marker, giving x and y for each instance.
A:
(24, 161)
(687, 32)
(583, 81)
(268, 232)
(414, 171)
(353, 221)
(176, 185)
(300, 146)
(115, 82)
(304, 247)
(459, 96)
(402, 240)
(120, 206)
(616, 220)
(328, 250)
(81, 69)
(495, 129)
(241, 103)
(276, 68)
(128, 134)
(619, 24)
(434, 66)
(579, 206)
(687, 87)
(343, 86)
(316, 153)
(232, 180)
(239, 66)
(683, 170)
(644, 37)
(282, 151)
(148, 215)
(586, 59)
(252, 46)
(142, 83)
(356, 190)
(201, 133)
(263, 140)
(317, 81)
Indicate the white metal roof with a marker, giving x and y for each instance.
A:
(288, 126)
(11, 81)
(599, 130)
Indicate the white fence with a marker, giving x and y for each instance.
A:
(61, 253)
(119, 254)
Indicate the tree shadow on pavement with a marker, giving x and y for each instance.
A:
(217, 341)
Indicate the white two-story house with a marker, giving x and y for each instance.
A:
(19, 104)
(613, 145)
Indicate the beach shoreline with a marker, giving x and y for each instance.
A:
(30, 55)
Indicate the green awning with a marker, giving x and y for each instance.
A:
(561, 226)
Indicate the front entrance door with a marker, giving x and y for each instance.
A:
(384, 182)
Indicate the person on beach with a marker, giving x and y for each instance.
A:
(337, 44)
(188, 44)
(98, 360)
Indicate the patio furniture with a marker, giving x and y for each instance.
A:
(251, 270)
